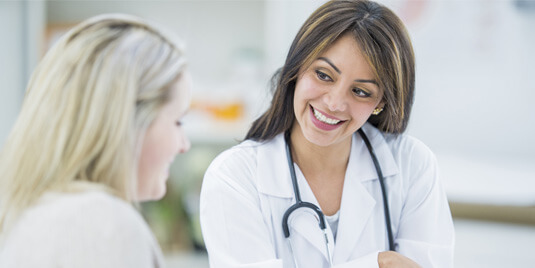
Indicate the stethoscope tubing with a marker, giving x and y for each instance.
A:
(383, 189)
(298, 202)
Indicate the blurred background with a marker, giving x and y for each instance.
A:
(475, 88)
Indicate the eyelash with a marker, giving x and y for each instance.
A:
(361, 93)
(357, 91)
(323, 76)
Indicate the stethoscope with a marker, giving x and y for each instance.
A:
(321, 217)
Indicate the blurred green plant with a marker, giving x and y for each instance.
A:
(175, 218)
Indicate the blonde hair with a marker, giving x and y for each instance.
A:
(86, 110)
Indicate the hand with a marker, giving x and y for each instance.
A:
(387, 259)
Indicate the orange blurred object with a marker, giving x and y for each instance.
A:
(224, 111)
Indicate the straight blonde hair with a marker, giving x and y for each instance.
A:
(86, 110)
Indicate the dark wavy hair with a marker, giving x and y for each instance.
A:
(385, 43)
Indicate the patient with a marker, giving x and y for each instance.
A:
(99, 127)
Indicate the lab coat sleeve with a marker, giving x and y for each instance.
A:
(425, 232)
(232, 223)
(367, 261)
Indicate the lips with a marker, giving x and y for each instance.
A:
(324, 121)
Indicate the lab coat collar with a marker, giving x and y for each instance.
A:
(273, 171)
(274, 175)
(360, 156)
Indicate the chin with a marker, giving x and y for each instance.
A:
(154, 195)
(160, 194)
(318, 139)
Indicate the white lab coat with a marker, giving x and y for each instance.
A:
(247, 189)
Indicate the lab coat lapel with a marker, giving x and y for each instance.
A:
(307, 226)
(274, 179)
(357, 203)
(273, 172)
(355, 212)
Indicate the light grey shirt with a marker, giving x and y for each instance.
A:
(88, 229)
(333, 222)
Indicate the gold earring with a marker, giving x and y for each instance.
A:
(377, 110)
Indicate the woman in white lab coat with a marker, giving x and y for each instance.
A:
(350, 68)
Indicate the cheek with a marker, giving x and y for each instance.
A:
(153, 152)
(155, 146)
(306, 89)
(149, 160)
(361, 111)
(144, 175)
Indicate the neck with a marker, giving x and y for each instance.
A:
(312, 158)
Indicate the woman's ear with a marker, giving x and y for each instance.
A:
(379, 108)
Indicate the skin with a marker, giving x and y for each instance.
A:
(391, 259)
(164, 139)
(341, 86)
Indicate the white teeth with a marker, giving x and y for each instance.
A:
(324, 119)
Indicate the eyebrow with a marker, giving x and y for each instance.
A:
(367, 81)
(330, 63)
(339, 72)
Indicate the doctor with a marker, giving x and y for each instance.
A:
(350, 69)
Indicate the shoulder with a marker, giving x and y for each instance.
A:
(415, 160)
(244, 159)
(86, 226)
(404, 145)
(95, 208)
(232, 170)
(408, 152)
(106, 216)
(95, 212)
(238, 156)
(245, 168)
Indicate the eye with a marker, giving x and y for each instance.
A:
(323, 76)
(178, 123)
(361, 93)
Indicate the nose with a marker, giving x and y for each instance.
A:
(185, 145)
(336, 99)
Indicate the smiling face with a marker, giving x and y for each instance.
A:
(163, 140)
(336, 94)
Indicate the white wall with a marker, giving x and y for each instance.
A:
(475, 81)
(282, 22)
(11, 67)
(474, 94)
(21, 23)
(216, 32)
